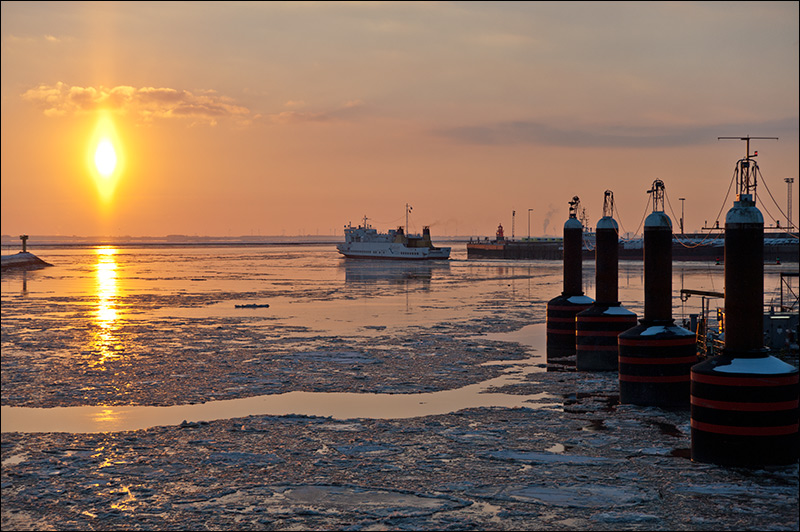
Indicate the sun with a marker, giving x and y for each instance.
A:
(105, 158)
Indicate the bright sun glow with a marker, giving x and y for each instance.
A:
(106, 343)
(105, 158)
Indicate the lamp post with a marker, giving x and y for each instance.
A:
(682, 200)
(529, 223)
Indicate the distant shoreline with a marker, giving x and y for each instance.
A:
(11, 244)
(129, 244)
(13, 247)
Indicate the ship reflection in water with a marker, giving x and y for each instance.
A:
(397, 272)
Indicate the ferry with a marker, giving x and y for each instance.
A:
(365, 242)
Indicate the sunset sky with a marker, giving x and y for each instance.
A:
(247, 118)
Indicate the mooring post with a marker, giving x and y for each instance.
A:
(597, 327)
(656, 356)
(744, 402)
(561, 310)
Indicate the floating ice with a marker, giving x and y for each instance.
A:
(579, 495)
(327, 500)
(552, 458)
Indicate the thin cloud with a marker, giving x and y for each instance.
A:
(148, 103)
(529, 132)
(12, 39)
(294, 117)
(345, 111)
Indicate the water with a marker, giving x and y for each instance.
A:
(129, 338)
(383, 365)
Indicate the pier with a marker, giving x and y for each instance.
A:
(779, 246)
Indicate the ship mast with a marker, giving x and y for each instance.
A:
(408, 209)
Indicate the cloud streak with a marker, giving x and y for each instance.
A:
(151, 103)
(346, 111)
(530, 132)
(147, 103)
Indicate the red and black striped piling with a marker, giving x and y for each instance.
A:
(654, 365)
(744, 403)
(744, 412)
(597, 327)
(561, 310)
(656, 356)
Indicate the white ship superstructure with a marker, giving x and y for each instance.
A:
(364, 241)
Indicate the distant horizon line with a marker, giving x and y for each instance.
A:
(7, 240)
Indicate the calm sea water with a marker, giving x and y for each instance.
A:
(98, 306)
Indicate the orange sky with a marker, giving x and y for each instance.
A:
(296, 118)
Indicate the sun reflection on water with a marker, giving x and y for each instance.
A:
(105, 340)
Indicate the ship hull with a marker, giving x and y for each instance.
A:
(357, 250)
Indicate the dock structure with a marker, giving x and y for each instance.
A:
(779, 246)
(536, 248)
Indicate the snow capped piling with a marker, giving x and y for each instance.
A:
(656, 356)
(597, 327)
(561, 310)
(744, 403)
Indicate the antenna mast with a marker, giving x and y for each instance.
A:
(513, 214)
(574, 205)
(608, 204)
(745, 172)
(657, 191)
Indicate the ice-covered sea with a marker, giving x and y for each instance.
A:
(283, 387)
